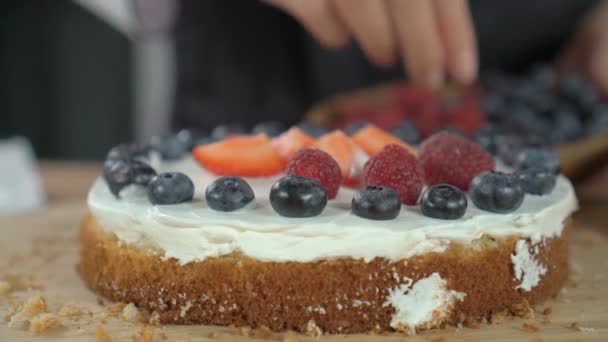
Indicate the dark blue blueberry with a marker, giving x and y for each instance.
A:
(270, 128)
(538, 158)
(571, 86)
(407, 132)
(496, 192)
(508, 147)
(523, 119)
(221, 132)
(486, 136)
(118, 173)
(598, 122)
(354, 127)
(312, 129)
(170, 147)
(376, 203)
(536, 181)
(295, 196)
(189, 137)
(566, 127)
(543, 74)
(494, 105)
(228, 194)
(170, 188)
(443, 201)
(128, 152)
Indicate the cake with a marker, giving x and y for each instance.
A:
(335, 272)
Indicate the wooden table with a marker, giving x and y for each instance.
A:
(38, 252)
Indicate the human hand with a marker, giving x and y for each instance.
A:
(588, 51)
(435, 37)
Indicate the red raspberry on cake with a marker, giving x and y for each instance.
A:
(452, 159)
(317, 165)
(395, 167)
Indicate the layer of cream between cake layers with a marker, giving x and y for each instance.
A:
(193, 232)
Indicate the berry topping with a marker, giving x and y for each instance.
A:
(536, 181)
(240, 155)
(496, 192)
(407, 132)
(318, 165)
(228, 194)
(376, 203)
(222, 132)
(395, 167)
(486, 136)
(270, 128)
(170, 188)
(290, 142)
(539, 158)
(118, 173)
(128, 152)
(295, 196)
(312, 129)
(372, 139)
(170, 147)
(443, 201)
(341, 148)
(452, 159)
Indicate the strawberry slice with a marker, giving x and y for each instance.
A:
(372, 139)
(251, 156)
(342, 149)
(290, 142)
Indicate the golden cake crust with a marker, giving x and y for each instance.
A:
(337, 296)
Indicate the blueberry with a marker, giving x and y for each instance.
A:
(536, 181)
(543, 74)
(118, 173)
(598, 123)
(376, 203)
(170, 147)
(128, 152)
(486, 137)
(538, 157)
(354, 127)
(295, 196)
(493, 105)
(189, 137)
(228, 194)
(170, 188)
(508, 147)
(221, 132)
(443, 201)
(407, 132)
(312, 129)
(270, 128)
(496, 192)
(566, 127)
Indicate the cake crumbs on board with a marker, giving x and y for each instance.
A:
(102, 334)
(44, 322)
(530, 328)
(290, 336)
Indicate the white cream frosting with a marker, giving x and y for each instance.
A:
(526, 268)
(421, 306)
(193, 232)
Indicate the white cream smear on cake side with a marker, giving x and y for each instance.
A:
(193, 232)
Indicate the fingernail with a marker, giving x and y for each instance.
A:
(466, 66)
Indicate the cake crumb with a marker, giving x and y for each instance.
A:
(572, 325)
(154, 318)
(212, 334)
(548, 310)
(33, 306)
(130, 312)
(70, 310)
(115, 309)
(264, 333)
(44, 322)
(144, 334)
(439, 339)
(546, 320)
(498, 317)
(102, 334)
(588, 330)
(241, 331)
(100, 301)
(5, 287)
(523, 310)
(530, 328)
(290, 336)
(471, 323)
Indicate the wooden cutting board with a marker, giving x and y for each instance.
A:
(38, 253)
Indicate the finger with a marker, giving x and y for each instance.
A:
(418, 39)
(458, 38)
(369, 22)
(319, 18)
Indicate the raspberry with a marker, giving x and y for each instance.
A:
(395, 167)
(319, 166)
(452, 159)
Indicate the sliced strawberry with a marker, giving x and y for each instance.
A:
(290, 142)
(251, 156)
(341, 148)
(372, 140)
